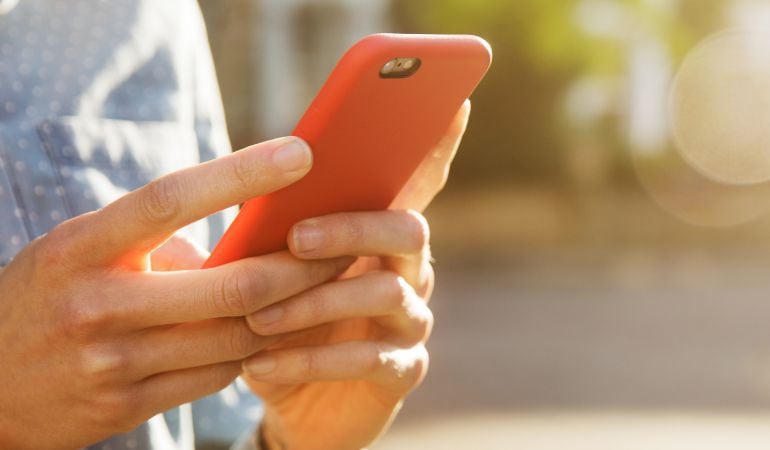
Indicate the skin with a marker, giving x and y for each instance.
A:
(104, 323)
(340, 384)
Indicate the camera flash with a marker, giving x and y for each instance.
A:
(388, 67)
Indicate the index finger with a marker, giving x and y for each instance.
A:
(135, 224)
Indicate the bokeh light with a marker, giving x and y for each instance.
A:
(714, 167)
(720, 107)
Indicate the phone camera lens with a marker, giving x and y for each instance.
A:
(389, 67)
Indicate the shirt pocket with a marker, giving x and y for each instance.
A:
(98, 160)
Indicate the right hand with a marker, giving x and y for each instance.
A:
(93, 342)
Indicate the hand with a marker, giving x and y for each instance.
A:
(93, 342)
(178, 253)
(338, 384)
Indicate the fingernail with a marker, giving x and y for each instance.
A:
(308, 238)
(261, 365)
(293, 155)
(268, 316)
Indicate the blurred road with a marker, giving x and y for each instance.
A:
(606, 349)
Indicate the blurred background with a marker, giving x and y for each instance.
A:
(595, 291)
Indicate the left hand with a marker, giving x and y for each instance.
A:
(354, 348)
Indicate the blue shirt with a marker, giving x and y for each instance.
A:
(96, 99)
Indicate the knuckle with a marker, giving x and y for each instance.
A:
(117, 410)
(423, 323)
(430, 271)
(244, 170)
(373, 357)
(229, 296)
(60, 247)
(159, 201)
(238, 340)
(396, 290)
(321, 270)
(426, 281)
(419, 368)
(418, 230)
(222, 376)
(405, 368)
(352, 230)
(314, 304)
(81, 319)
(310, 366)
(99, 365)
(239, 291)
(52, 250)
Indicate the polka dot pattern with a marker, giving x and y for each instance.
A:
(96, 99)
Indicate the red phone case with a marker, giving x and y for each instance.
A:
(368, 135)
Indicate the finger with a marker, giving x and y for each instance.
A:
(232, 290)
(417, 270)
(383, 364)
(138, 222)
(167, 390)
(193, 345)
(178, 253)
(433, 172)
(401, 235)
(405, 318)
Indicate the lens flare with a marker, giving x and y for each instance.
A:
(720, 107)
(714, 171)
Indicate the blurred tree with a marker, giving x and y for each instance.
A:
(541, 47)
(513, 131)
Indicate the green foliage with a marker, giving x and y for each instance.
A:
(518, 130)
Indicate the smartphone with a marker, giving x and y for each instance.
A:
(387, 103)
